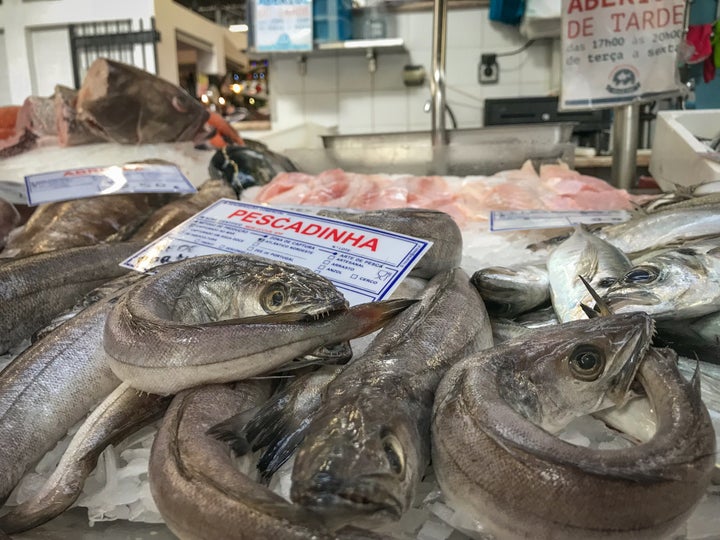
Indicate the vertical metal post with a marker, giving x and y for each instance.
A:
(437, 82)
(626, 123)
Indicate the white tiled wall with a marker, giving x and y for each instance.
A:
(339, 91)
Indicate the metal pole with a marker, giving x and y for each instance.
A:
(437, 82)
(625, 140)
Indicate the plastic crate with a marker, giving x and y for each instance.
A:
(332, 20)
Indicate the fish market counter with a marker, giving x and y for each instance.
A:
(538, 398)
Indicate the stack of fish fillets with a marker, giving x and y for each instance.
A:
(194, 344)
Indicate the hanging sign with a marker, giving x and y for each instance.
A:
(619, 51)
(283, 25)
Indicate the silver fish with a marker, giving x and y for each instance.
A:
(200, 491)
(583, 254)
(673, 284)
(50, 387)
(220, 318)
(123, 412)
(368, 444)
(495, 461)
(510, 291)
(35, 289)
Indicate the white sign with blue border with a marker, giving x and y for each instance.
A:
(92, 181)
(365, 263)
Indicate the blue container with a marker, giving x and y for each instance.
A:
(332, 20)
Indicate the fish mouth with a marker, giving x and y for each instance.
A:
(635, 298)
(352, 502)
(635, 348)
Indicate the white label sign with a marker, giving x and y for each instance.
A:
(365, 263)
(519, 220)
(89, 182)
(283, 25)
(616, 52)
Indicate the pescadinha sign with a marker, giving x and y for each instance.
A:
(619, 51)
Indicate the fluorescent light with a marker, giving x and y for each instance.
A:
(238, 28)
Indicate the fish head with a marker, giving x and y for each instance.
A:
(576, 368)
(358, 464)
(276, 288)
(661, 286)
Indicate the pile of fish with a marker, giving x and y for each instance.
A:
(241, 356)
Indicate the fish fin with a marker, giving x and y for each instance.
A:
(232, 431)
(602, 306)
(590, 312)
(280, 450)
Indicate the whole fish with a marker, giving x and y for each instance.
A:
(35, 289)
(172, 214)
(510, 291)
(438, 227)
(83, 222)
(586, 255)
(673, 284)
(367, 446)
(51, 386)
(9, 219)
(279, 424)
(666, 226)
(220, 318)
(122, 413)
(198, 487)
(124, 104)
(496, 460)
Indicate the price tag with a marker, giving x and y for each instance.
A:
(519, 220)
(616, 52)
(365, 263)
(90, 182)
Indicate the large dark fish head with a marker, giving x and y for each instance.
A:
(575, 368)
(356, 466)
(124, 104)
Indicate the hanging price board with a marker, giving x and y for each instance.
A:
(283, 25)
(615, 52)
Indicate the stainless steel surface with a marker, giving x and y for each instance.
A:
(626, 123)
(351, 46)
(516, 135)
(481, 151)
(437, 81)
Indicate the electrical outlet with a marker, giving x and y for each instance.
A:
(488, 70)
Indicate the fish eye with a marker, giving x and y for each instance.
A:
(587, 362)
(273, 298)
(393, 453)
(641, 274)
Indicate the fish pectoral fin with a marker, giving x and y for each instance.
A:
(590, 312)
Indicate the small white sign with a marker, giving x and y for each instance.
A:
(365, 263)
(519, 220)
(283, 25)
(93, 181)
(616, 52)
